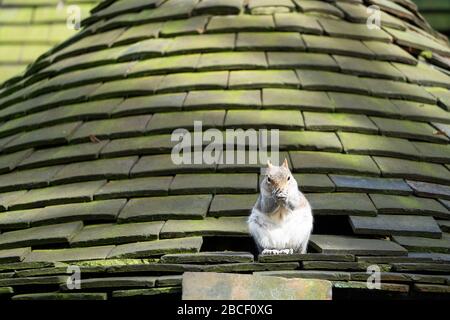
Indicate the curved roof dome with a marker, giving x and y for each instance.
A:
(85, 137)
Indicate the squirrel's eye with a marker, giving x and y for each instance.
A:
(268, 179)
(289, 178)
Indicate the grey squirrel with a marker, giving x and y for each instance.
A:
(281, 220)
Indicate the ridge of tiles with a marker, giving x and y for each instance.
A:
(86, 176)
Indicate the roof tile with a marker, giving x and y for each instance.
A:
(341, 204)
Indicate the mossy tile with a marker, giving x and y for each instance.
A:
(422, 244)
(140, 187)
(202, 43)
(314, 182)
(219, 7)
(431, 288)
(240, 23)
(418, 41)
(13, 255)
(232, 60)
(424, 75)
(307, 257)
(368, 184)
(354, 103)
(354, 48)
(157, 208)
(138, 33)
(73, 192)
(297, 22)
(433, 190)
(117, 168)
(443, 96)
(396, 225)
(157, 248)
(150, 104)
(356, 143)
(341, 204)
(209, 257)
(335, 265)
(175, 120)
(302, 60)
(324, 162)
(104, 234)
(309, 140)
(350, 30)
(288, 119)
(390, 52)
(53, 234)
(408, 129)
(248, 267)
(269, 41)
(107, 210)
(415, 170)
(145, 49)
(232, 205)
(72, 254)
(262, 7)
(111, 128)
(194, 25)
(27, 179)
(368, 68)
(140, 293)
(224, 226)
(7, 198)
(334, 244)
(421, 111)
(245, 79)
(214, 183)
(274, 98)
(338, 122)
(139, 146)
(319, 7)
(163, 65)
(63, 154)
(168, 164)
(34, 281)
(444, 225)
(393, 204)
(330, 81)
(25, 33)
(433, 151)
(115, 282)
(126, 6)
(57, 134)
(218, 99)
(127, 87)
(9, 162)
(398, 90)
(71, 95)
(17, 219)
(194, 81)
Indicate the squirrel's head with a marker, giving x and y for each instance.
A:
(279, 180)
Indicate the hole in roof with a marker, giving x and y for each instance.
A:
(332, 225)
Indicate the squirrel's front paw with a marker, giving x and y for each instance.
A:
(269, 252)
(286, 251)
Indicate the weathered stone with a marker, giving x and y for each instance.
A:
(139, 187)
(307, 257)
(308, 274)
(314, 183)
(274, 98)
(428, 267)
(61, 296)
(251, 267)
(72, 254)
(115, 282)
(172, 207)
(224, 226)
(231, 205)
(369, 184)
(25, 266)
(338, 122)
(399, 277)
(333, 265)
(392, 204)
(424, 189)
(396, 225)
(389, 287)
(330, 244)
(269, 41)
(424, 244)
(429, 288)
(33, 281)
(58, 233)
(214, 183)
(169, 281)
(116, 233)
(145, 292)
(208, 257)
(341, 204)
(156, 248)
(252, 287)
(13, 255)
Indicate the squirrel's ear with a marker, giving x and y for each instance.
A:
(285, 163)
(269, 164)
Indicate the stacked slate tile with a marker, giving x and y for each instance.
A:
(87, 183)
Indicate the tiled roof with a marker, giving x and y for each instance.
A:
(85, 138)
